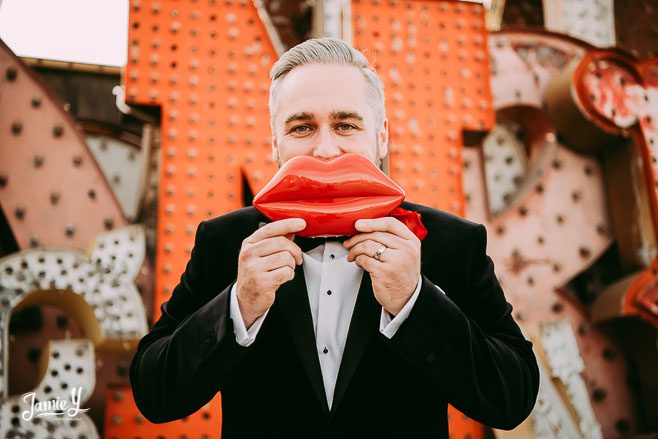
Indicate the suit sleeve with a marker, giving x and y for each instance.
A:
(477, 354)
(190, 351)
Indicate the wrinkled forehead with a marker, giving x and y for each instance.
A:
(323, 92)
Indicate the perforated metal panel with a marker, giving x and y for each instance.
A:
(51, 189)
(556, 223)
(620, 96)
(123, 420)
(432, 57)
(99, 292)
(206, 66)
(69, 376)
(588, 20)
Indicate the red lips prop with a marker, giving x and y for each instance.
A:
(331, 194)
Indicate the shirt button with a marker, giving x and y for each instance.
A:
(325, 350)
(329, 292)
(332, 256)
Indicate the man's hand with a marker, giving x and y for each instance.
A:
(395, 275)
(267, 260)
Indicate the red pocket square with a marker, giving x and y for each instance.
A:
(410, 219)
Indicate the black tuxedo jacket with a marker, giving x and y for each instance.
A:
(462, 347)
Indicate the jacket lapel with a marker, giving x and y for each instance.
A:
(292, 297)
(364, 323)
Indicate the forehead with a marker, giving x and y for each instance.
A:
(321, 89)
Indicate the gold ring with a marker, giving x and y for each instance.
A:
(379, 252)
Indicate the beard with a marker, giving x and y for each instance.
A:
(378, 161)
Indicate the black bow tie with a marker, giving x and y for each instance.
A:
(307, 244)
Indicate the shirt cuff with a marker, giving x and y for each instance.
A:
(243, 336)
(388, 325)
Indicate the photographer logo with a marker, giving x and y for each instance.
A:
(55, 407)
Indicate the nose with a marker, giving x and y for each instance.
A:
(327, 145)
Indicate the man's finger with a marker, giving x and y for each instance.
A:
(390, 240)
(280, 275)
(385, 224)
(277, 260)
(276, 244)
(367, 263)
(366, 248)
(278, 228)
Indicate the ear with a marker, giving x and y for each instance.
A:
(383, 139)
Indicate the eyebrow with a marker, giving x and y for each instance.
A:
(334, 115)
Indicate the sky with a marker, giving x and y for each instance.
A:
(87, 31)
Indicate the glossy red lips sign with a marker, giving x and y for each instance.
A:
(330, 194)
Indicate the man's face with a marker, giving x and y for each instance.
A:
(322, 110)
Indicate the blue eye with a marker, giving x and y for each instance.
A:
(296, 129)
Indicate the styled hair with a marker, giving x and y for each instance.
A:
(328, 50)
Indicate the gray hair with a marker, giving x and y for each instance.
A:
(328, 50)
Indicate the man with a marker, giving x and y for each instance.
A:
(369, 337)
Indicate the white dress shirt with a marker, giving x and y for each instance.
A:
(333, 284)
